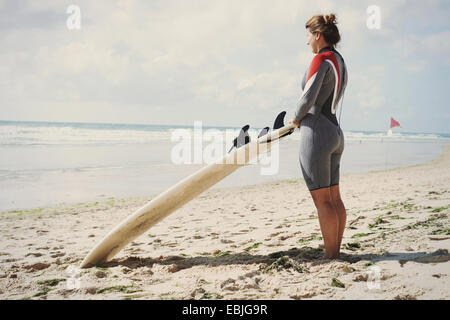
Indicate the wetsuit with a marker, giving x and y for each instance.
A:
(321, 138)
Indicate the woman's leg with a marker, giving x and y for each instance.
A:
(328, 220)
(341, 212)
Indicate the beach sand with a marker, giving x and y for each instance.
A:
(254, 242)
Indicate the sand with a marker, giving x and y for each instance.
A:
(254, 242)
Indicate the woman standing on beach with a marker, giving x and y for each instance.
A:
(321, 138)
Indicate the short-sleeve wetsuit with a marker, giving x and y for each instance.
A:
(321, 138)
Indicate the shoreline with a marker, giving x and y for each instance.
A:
(254, 242)
(107, 200)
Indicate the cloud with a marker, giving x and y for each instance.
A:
(190, 58)
(366, 88)
(22, 14)
(419, 52)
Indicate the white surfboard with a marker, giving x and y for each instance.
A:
(179, 194)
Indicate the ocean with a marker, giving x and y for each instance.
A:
(46, 163)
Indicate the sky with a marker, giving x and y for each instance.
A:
(225, 63)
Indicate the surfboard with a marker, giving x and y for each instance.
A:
(242, 152)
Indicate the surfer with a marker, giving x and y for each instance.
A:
(321, 138)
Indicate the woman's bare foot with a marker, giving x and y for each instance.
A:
(324, 256)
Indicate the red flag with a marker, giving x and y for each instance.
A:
(394, 123)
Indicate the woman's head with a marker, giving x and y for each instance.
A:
(321, 31)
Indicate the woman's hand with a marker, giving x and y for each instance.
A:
(294, 122)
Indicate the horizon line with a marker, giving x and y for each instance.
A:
(181, 125)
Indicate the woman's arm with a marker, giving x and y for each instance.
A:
(314, 81)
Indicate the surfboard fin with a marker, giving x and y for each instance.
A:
(279, 123)
(242, 139)
(263, 132)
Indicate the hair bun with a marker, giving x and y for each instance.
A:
(329, 18)
(326, 25)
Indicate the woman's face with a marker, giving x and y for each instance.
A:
(312, 40)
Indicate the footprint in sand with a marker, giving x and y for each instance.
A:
(57, 254)
(36, 254)
(36, 267)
